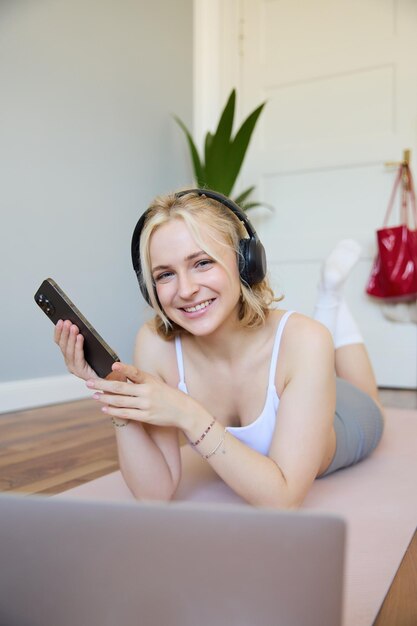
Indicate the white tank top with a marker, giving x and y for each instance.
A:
(258, 434)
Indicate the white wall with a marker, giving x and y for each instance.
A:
(87, 138)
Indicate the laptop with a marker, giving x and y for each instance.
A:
(68, 562)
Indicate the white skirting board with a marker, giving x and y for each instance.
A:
(18, 395)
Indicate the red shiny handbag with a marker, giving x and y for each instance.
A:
(394, 272)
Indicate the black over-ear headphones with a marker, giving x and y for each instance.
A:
(252, 259)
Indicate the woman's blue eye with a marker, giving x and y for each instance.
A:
(163, 277)
(203, 263)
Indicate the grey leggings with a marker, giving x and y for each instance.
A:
(358, 423)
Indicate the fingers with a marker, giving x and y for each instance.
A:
(65, 337)
(129, 402)
(121, 399)
(113, 386)
(78, 354)
(131, 372)
(124, 406)
(115, 375)
(58, 331)
(71, 343)
(126, 414)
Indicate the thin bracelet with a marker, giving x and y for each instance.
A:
(119, 424)
(200, 439)
(221, 442)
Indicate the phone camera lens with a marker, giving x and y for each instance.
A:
(45, 305)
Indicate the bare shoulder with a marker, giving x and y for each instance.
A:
(153, 353)
(306, 342)
(302, 331)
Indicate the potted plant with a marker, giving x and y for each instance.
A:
(224, 153)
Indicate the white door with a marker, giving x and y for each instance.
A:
(340, 80)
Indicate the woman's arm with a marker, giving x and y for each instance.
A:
(304, 420)
(149, 456)
(149, 461)
(303, 427)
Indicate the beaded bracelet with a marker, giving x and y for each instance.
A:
(200, 439)
(221, 442)
(119, 424)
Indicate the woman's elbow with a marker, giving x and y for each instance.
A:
(157, 495)
(162, 491)
(283, 494)
(281, 503)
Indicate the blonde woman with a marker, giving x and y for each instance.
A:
(269, 398)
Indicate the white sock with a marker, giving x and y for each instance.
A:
(331, 309)
(346, 331)
(338, 265)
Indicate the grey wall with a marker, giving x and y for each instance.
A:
(88, 89)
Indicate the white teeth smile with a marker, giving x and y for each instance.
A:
(198, 307)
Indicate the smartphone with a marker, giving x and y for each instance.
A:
(57, 306)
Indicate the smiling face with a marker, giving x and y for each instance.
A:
(195, 291)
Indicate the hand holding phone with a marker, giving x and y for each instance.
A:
(57, 306)
(70, 341)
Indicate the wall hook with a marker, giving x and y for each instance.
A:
(406, 160)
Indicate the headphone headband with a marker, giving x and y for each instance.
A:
(252, 259)
(227, 202)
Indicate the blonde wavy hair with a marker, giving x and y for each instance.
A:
(224, 228)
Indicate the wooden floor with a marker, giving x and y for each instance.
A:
(50, 449)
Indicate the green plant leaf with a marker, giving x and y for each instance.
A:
(218, 155)
(207, 148)
(223, 155)
(225, 125)
(250, 205)
(240, 200)
(241, 142)
(221, 138)
(197, 165)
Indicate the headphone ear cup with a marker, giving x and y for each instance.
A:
(252, 261)
(142, 288)
(135, 254)
(138, 267)
(243, 260)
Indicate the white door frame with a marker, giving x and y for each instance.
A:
(216, 65)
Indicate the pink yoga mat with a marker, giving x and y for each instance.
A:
(377, 498)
